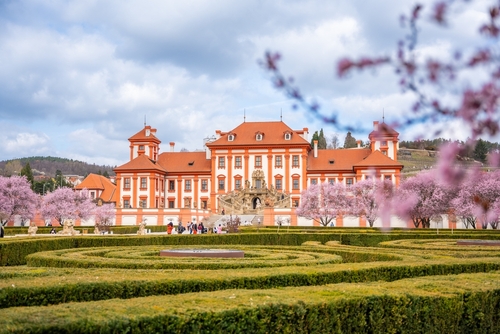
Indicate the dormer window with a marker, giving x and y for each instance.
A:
(331, 162)
(258, 136)
(288, 136)
(148, 132)
(230, 137)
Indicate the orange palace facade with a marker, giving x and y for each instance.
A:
(188, 186)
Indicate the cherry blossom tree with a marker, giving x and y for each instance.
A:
(104, 215)
(369, 197)
(463, 204)
(324, 202)
(479, 200)
(16, 199)
(441, 85)
(422, 198)
(64, 203)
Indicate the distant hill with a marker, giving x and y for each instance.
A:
(49, 165)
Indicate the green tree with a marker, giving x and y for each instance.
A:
(26, 171)
(315, 136)
(105, 174)
(350, 141)
(321, 141)
(481, 150)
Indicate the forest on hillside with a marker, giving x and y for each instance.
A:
(49, 165)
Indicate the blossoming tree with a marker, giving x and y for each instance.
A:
(478, 200)
(104, 216)
(16, 199)
(369, 198)
(64, 203)
(422, 198)
(324, 202)
(452, 84)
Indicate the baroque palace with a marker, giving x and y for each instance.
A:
(256, 169)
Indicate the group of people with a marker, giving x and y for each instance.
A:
(192, 228)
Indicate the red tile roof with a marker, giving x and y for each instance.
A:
(383, 130)
(378, 159)
(343, 159)
(175, 162)
(273, 134)
(141, 135)
(142, 162)
(99, 182)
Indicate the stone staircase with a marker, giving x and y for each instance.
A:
(215, 220)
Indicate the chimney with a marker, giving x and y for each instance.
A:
(172, 144)
(359, 143)
(315, 148)
(375, 125)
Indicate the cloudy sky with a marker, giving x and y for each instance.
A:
(77, 78)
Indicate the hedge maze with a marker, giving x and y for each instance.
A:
(303, 281)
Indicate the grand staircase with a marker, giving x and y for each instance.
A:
(215, 220)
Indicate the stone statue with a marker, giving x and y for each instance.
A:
(68, 228)
(96, 230)
(32, 229)
(142, 228)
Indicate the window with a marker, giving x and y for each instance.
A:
(230, 137)
(92, 194)
(258, 137)
(126, 183)
(277, 161)
(295, 161)
(222, 162)
(144, 183)
(237, 162)
(383, 143)
(331, 181)
(258, 161)
(221, 184)
(237, 184)
(204, 205)
(279, 186)
(288, 136)
(258, 184)
(295, 203)
(142, 203)
(314, 181)
(388, 177)
(349, 181)
(295, 184)
(204, 185)
(384, 152)
(171, 185)
(187, 185)
(126, 203)
(171, 204)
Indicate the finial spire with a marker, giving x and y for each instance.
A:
(281, 114)
(144, 120)
(383, 116)
(244, 115)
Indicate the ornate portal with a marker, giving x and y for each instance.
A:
(253, 197)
